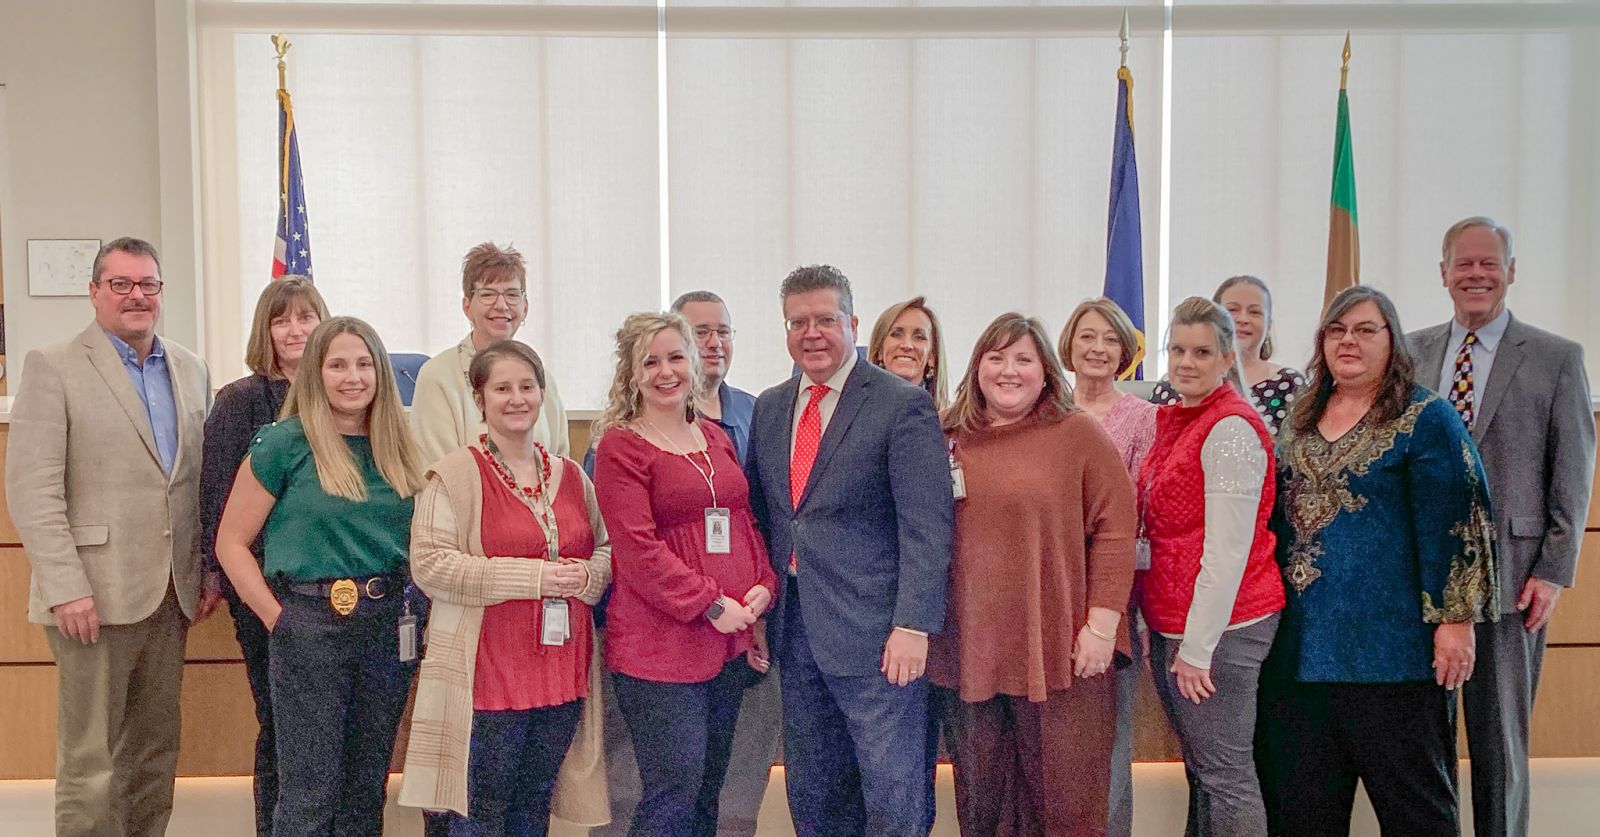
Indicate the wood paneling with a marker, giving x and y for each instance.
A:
(578, 437)
(1594, 495)
(1577, 617)
(8, 530)
(1569, 702)
(20, 640)
(218, 734)
(1153, 738)
(213, 638)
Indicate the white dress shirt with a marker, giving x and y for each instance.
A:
(1482, 354)
(830, 402)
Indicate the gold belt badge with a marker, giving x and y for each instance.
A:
(343, 596)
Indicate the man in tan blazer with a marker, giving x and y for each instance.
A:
(103, 479)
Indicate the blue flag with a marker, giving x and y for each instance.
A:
(291, 253)
(1124, 244)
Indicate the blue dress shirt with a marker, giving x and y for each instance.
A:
(152, 382)
(738, 408)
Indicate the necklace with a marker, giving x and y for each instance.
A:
(529, 494)
(711, 478)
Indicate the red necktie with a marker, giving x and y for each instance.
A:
(807, 438)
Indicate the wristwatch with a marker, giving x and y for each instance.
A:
(714, 612)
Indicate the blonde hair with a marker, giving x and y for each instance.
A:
(392, 447)
(279, 297)
(1127, 335)
(1461, 226)
(934, 380)
(969, 411)
(625, 403)
(1197, 310)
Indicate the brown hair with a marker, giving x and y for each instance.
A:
(935, 380)
(387, 430)
(1127, 335)
(483, 361)
(1266, 295)
(1394, 390)
(968, 411)
(1197, 310)
(624, 403)
(281, 296)
(488, 263)
(127, 244)
(818, 277)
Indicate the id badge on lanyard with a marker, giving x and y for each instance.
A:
(719, 540)
(958, 479)
(408, 634)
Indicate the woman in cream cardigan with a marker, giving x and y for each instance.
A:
(506, 729)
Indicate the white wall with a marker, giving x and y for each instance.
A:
(83, 151)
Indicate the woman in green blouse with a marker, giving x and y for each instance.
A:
(331, 483)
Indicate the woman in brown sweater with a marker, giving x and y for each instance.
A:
(1042, 569)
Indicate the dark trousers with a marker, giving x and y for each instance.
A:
(1026, 769)
(252, 636)
(1498, 702)
(512, 769)
(1316, 740)
(682, 736)
(855, 747)
(338, 690)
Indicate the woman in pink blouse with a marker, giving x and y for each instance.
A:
(1099, 345)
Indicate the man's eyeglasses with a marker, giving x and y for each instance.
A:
(826, 322)
(489, 296)
(122, 285)
(1362, 331)
(723, 333)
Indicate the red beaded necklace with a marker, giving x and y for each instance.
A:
(531, 493)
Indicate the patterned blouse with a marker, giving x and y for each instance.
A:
(1383, 534)
(1131, 424)
(1272, 396)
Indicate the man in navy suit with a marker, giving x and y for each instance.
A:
(850, 484)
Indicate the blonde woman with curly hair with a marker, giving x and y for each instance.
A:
(691, 576)
(332, 484)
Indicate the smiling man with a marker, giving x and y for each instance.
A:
(1524, 394)
(851, 487)
(104, 486)
(494, 298)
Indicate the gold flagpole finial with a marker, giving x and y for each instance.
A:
(1344, 71)
(1126, 33)
(281, 44)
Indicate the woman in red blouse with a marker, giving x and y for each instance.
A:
(692, 576)
(508, 542)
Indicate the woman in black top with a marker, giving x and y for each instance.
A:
(287, 312)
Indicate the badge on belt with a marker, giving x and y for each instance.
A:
(343, 596)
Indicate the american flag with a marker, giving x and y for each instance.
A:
(292, 252)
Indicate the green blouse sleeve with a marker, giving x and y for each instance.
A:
(274, 453)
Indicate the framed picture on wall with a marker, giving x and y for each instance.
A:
(60, 266)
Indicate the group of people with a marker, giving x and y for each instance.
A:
(857, 561)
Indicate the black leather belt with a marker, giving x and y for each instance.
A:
(374, 588)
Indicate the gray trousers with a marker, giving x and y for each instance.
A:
(1498, 702)
(755, 745)
(1121, 803)
(1218, 734)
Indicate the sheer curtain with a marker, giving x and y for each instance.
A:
(931, 148)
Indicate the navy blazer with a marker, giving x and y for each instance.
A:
(873, 529)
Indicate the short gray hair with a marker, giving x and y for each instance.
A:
(819, 277)
(695, 296)
(126, 244)
(1465, 224)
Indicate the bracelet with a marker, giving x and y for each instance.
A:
(1111, 638)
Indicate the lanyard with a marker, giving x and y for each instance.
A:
(709, 478)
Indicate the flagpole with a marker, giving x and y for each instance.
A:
(281, 44)
(1126, 33)
(1344, 70)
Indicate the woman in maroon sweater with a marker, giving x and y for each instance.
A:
(1040, 577)
(691, 576)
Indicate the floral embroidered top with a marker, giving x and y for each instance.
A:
(1383, 533)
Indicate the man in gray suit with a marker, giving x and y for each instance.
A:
(1524, 395)
(103, 478)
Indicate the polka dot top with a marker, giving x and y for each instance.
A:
(1271, 397)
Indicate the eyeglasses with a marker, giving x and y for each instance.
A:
(122, 285)
(723, 333)
(826, 322)
(1362, 331)
(489, 296)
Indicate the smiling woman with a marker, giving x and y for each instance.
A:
(907, 341)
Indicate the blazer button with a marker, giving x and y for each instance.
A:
(166, 533)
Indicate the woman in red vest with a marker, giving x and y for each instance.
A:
(1212, 593)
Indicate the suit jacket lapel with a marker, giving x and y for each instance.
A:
(1508, 356)
(178, 373)
(103, 356)
(1430, 354)
(850, 401)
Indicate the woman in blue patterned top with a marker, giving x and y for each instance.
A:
(1386, 543)
(1272, 386)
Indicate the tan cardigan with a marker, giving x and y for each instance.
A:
(448, 563)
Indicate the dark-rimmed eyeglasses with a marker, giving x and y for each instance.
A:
(122, 285)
